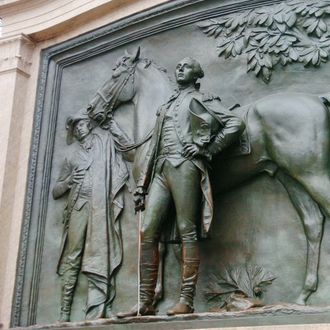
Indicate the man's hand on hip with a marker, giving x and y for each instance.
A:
(192, 150)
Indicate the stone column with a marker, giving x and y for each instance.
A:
(15, 64)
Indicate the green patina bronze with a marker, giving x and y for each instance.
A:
(93, 178)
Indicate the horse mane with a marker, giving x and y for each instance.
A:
(148, 62)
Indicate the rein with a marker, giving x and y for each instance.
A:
(129, 147)
(110, 103)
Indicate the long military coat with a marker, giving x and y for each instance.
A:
(231, 128)
(103, 242)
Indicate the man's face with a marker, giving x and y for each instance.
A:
(184, 72)
(81, 129)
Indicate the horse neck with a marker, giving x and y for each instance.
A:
(153, 88)
(241, 111)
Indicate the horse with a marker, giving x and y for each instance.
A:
(133, 80)
(289, 136)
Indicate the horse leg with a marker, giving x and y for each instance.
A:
(312, 219)
(159, 286)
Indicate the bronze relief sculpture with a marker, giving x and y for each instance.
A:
(175, 170)
(288, 152)
(182, 143)
(93, 177)
(293, 31)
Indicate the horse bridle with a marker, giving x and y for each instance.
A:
(109, 104)
(110, 101)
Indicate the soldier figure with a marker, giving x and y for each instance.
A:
(93, 176)
(176, 170)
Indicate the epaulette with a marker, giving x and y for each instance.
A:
(210, 97)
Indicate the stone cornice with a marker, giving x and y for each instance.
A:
(16, 53)
(8, 3)
(33, 16)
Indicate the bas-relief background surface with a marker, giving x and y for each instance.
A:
(255, 223)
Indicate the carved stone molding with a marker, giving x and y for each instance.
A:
(16, 54)
(6, 3)
(56, 17)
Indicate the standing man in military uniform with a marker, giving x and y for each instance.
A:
(175, 170)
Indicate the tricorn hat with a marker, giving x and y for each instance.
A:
(72, 120)
(204, 125)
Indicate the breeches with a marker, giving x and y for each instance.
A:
(75, 241)
(182, 186)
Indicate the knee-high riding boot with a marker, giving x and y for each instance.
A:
(148, 280)
(190, 265)
(69, 281)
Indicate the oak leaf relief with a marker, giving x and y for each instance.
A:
(294, 31)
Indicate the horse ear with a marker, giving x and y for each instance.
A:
(137, 55)
(127, 53)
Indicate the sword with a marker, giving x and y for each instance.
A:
(139, 259)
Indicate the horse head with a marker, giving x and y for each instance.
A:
(120, 88)
(137, 80)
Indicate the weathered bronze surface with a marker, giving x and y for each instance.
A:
(264, 151)
(93, 178)
(175, 172)
(290, 32)
(270, 183)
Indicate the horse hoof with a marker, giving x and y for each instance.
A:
(301, 301)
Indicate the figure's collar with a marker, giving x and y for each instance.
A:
(186, 89)
(181, 90)
(87, 143)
